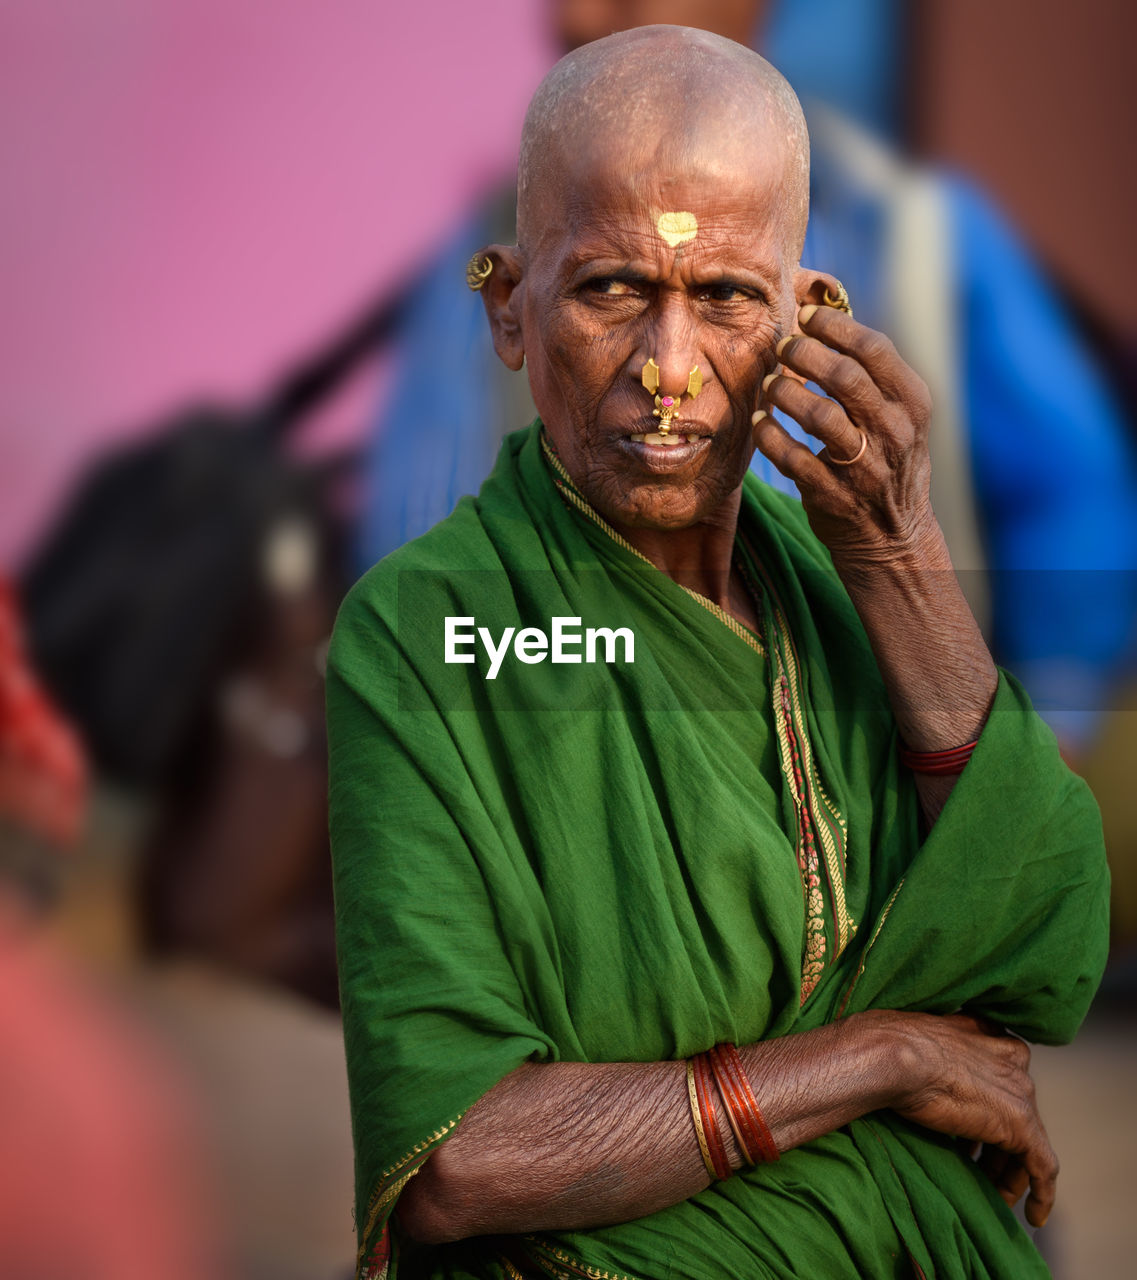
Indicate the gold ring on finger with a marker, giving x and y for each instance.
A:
(848, 462)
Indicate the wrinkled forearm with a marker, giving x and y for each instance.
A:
(574, 1145)
(936, 667)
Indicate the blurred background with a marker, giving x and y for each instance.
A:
(231, 238)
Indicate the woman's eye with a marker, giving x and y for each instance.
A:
(611, 285)
(726, 292)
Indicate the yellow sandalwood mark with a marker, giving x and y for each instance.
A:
(677, 228)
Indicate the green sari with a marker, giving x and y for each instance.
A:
(631, 861)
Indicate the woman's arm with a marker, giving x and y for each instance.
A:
(876, 519)
(940, 676)
(573, 1145)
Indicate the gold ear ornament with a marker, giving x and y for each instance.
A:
(478, 271)
(840, 302)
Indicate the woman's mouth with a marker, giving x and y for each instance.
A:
(664, 454)
(667, 441)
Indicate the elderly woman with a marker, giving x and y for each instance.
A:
(694, 863)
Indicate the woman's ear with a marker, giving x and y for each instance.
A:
(810, 287)
(502, 294)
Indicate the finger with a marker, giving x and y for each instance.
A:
(792, 458)
(1042, 1165)
(870, 349)
(1038, 1208)
(819, 415)
(836, 374)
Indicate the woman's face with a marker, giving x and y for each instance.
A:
(612, 278)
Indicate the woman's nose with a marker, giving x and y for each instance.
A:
(672, 355)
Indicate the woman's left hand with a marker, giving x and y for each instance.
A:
(867, 492)
(866, 496)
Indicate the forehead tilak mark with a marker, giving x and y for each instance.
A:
(677, 227)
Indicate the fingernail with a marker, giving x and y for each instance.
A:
(782, 345)
(770, 378)
(757, 416)
(805, 315)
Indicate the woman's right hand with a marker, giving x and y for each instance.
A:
(569, 1145)
(963, 1076)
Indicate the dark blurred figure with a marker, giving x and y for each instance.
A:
(1033, 485)
(102, 1175)
(236, 868)
(179, 613)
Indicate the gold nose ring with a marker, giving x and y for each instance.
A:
(667, 407)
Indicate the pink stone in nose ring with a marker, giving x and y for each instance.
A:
(666, 408)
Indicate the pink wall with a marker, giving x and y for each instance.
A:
(194, 191)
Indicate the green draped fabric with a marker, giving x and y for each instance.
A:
(631, 861)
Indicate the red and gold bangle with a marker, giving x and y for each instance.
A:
(938, 763)
(742, 1108)
(708, 1113)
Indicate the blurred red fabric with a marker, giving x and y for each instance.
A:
(43, 775)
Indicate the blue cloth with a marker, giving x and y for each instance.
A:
(1053, 464)
(439, 426)
(845, 51)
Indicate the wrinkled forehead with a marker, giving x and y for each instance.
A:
(667, 185)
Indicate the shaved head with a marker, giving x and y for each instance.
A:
(660, 100)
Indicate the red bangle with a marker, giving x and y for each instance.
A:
(750, 1128)
(938, 763)
(704, 1093)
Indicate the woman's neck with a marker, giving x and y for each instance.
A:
(700, 558)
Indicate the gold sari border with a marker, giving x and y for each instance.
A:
(387, 1190)
(574, 498)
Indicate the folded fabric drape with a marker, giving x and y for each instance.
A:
(637, 860)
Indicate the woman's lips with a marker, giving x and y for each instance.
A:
(664, 453)
(669, 441)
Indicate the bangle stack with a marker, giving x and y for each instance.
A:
(938, 763)
(720, 1071)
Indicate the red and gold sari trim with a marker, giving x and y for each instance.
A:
(822, 831)
(555, 1262)
(373, 1260)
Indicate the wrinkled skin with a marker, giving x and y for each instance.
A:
(607, 292)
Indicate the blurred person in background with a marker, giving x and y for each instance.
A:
(103, 1175)
(1035, 480)
(179, 612)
